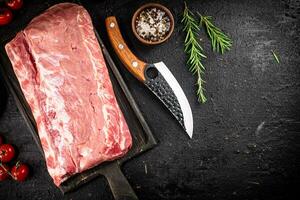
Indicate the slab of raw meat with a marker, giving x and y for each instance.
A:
(63, 76)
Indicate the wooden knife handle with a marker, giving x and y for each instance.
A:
(132, 63)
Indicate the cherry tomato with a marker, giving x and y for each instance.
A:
(7, 152)
(20, 172)
(3, 172)
(5, 16)
(14, 4)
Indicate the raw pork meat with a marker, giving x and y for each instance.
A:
(62, 73)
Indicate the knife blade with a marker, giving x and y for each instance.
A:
(155, 76)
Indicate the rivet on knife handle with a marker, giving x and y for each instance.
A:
(132, 63)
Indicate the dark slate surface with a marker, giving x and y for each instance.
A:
(246, 139)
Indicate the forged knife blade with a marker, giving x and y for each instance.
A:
(156, 77)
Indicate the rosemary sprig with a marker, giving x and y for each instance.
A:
(194, 50)
(275, 56)
(220, 41)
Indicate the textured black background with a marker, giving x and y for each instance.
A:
(246, 138)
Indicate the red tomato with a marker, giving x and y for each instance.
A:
(7, 152)
(3, 172)
(14, 4)
(20, 172)
(5, 16)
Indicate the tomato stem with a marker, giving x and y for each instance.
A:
(8, 172)
(18, 164)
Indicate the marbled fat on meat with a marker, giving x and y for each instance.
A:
(63, 76)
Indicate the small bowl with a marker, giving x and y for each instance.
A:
(152, 5)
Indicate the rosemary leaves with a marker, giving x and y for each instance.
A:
(194, 50)
(275, 57)
(220, 43)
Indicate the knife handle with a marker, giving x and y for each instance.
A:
(131, 62)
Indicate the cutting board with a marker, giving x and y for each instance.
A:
(143, 139)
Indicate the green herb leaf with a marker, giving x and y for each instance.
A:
(220, 41)
(275, 56)
(194, 50)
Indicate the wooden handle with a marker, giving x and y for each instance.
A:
(132, 63)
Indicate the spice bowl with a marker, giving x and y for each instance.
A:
(152, 24)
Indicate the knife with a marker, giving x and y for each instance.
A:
(155, 76)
